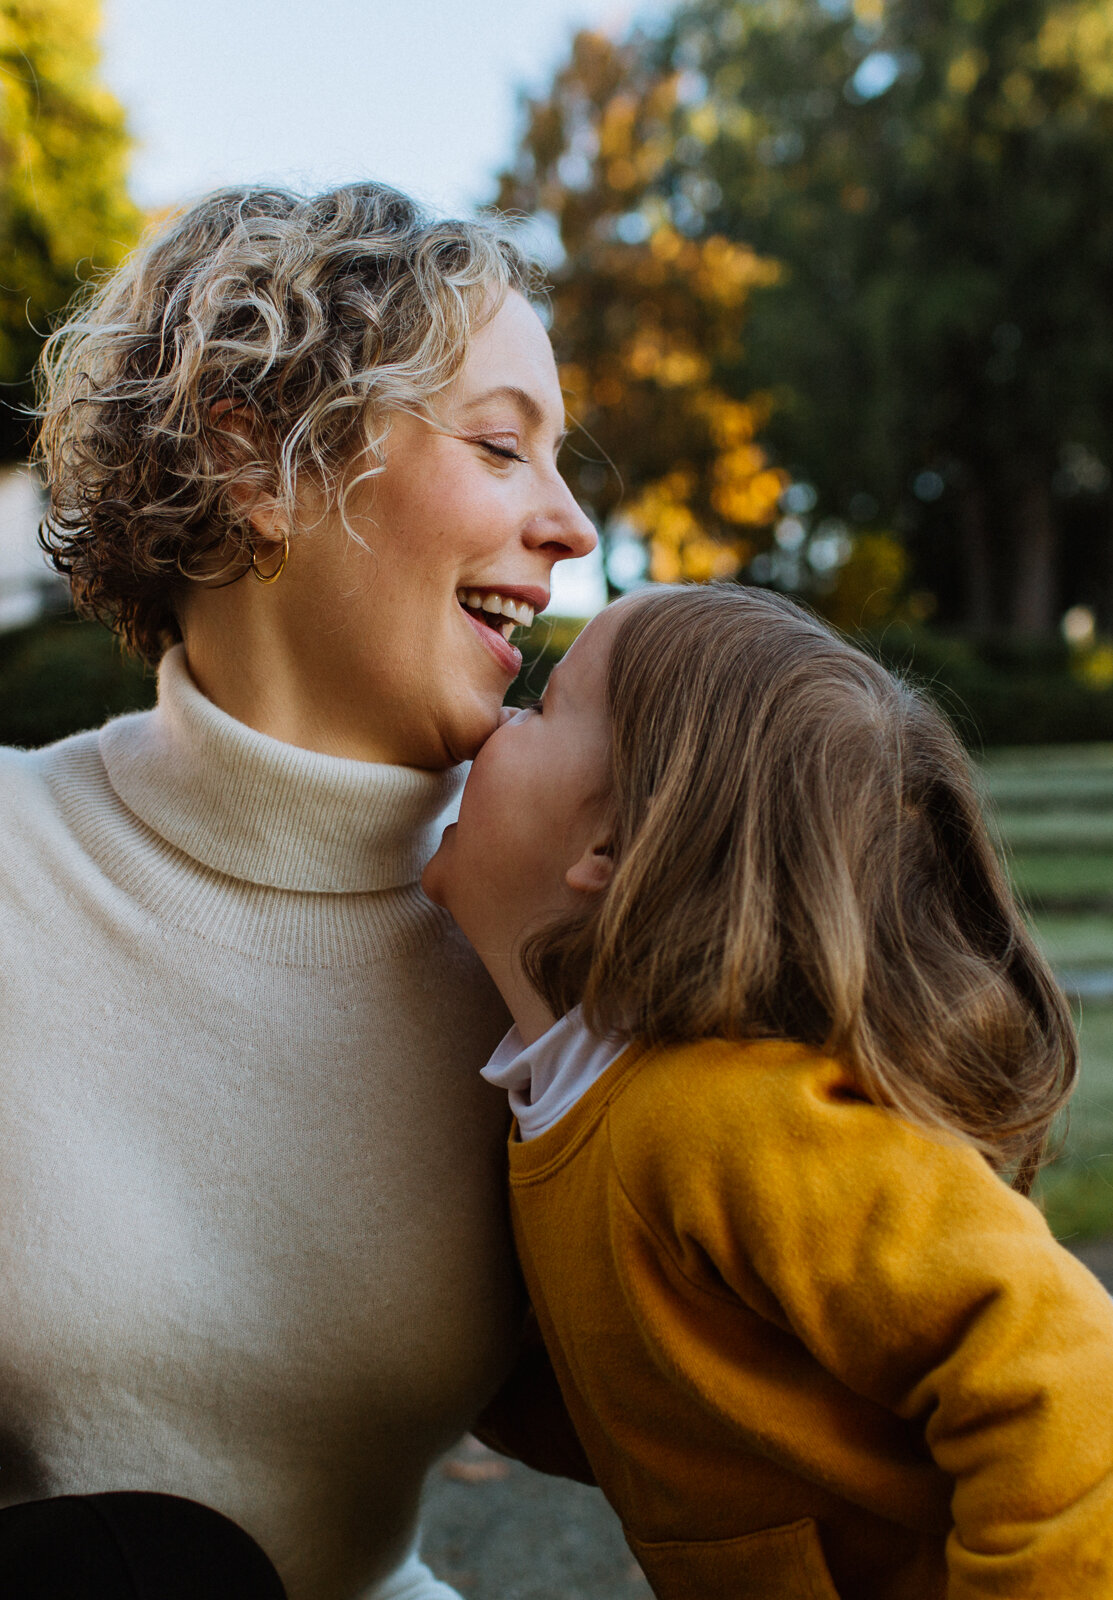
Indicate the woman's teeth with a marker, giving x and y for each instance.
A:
(494, 608)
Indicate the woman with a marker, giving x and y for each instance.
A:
(302, 452)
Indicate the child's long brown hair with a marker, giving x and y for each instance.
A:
(800, 853)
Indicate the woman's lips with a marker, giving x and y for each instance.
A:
(508, 656)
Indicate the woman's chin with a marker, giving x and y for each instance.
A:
(472, 731)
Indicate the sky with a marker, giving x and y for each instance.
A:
(420, 93)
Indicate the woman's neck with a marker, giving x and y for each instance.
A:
(255, 664)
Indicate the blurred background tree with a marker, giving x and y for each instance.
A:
(921, 193)
(647, 319)
(65, 211)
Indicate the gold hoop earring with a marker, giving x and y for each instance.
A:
(271, 577)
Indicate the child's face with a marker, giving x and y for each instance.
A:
(533, 832)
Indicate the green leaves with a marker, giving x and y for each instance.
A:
(65, 213)
(930, 188)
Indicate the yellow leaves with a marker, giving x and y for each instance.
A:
(703, 122)
(720, 271)
(738, 466)
(666, 244)
(596, 62)
(871, 12)
(581, 387)
(965, 70)
(629, 156)
(1018, 90)
(575, 383)
(649, 315)
(652, 356)
(688, 545)
(1094, 665)
(608, 391)
(1079, 39)
(868, 588)
(650, 157)
(681, 369)
(662, 515)
(622, 174)
(680, 551)
(732, 422)
(703, 560)
(726, 272)
(662, 97)
(745, 490)
(63, 153)
(616, 127)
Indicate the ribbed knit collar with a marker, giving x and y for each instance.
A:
(266, 812)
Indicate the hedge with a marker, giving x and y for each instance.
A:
(60, 675)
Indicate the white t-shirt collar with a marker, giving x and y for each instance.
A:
(546, 1078)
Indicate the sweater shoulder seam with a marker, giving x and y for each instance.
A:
(719, 1296)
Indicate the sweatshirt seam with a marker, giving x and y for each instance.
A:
(576, 1142)
(719, 1296)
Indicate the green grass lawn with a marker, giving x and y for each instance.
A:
(1054, 811)
(1076, 939)
(1076, 1190)
(1055, 831)
(1073, 775)
(1077, 879)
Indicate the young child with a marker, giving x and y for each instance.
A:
(813, 1342)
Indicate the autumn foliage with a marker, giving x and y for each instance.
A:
(647, 321)
(65, 211)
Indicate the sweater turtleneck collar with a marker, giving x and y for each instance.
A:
(266, 812)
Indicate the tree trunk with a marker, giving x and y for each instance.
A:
(1034, 598)
(974, 555)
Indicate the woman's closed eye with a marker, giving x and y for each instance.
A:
(504, 452)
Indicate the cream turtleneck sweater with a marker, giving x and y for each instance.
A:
(252, 1238)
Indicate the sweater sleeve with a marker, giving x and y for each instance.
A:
(920, 1281)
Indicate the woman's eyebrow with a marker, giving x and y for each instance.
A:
(525, 402)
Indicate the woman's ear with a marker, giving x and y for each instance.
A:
(265, 513)
(593, 871)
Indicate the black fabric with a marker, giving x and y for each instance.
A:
(129, 1547)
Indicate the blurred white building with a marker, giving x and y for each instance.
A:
(28, 584)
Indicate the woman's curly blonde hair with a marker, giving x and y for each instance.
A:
(313, 319)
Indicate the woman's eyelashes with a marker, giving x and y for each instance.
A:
(504, 452)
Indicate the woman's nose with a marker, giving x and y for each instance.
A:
(563, 527)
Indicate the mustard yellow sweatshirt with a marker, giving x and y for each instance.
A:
(811, 1351)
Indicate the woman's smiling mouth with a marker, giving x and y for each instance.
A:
(493, 615)
(497, 611)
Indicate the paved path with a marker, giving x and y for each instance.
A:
(497, 1531)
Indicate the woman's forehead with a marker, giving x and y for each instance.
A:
(511, 354)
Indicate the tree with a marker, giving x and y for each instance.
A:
(647, 321)
(934, 179)
(65, 210)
